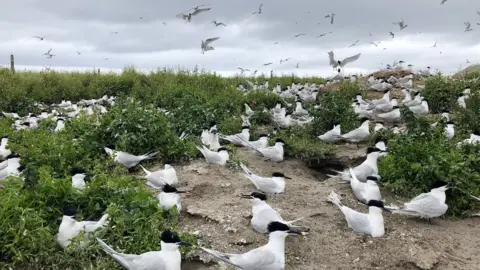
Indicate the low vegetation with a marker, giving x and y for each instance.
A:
(30, 213)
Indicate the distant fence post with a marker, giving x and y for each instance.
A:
(12, 63)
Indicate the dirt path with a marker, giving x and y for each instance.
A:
(213, 210)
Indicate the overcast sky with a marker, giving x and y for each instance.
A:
(143, 40)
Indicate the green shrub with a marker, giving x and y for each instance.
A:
(335, 106)
(467, 120)
(419, 158)
(30, 220)
(442, 93)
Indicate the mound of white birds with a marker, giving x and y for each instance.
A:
(363, 179)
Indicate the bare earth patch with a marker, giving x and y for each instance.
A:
(213, 209)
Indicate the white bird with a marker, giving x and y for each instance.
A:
(168, 258)
(263, 214)
(366, 168)
(219, 158)
(78, 177)
(421, 109)
(11, 115)
(218, 23)
(206, 44)
(417, 100)
(449, 130)
(467, 26)
(159, 178)
(378, 126)
(269, 185)
(392, 116)
(461, 100)
(426, 205)
(386, 107)
(4, 151)
(169, 198)
(41, 38)
(332, 135)
(273, 153)
(401, 24)
(371, 223)
(248, 111)
(474, 139)
(70, 228)
(299, 110)
(239, 139)
(334, 63)
(126, 159)
(365, 191)
(359, 134)
(60, 124)
(13, 168)
(268, 257)
(262, 142)
(259, 10)
(188, 17)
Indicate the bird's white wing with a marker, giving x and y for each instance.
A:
(332, 61)
(210, 40)
(263, 183)
(260, 258)
(250, 83)
(419, 198)
(350, 59)
(182, 16)
(356, 220)
(200, 10)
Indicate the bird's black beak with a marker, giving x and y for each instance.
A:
(286, 177)
(386, 210)
(383, 151)
(181, 191)
(89, 174)
(294, 232)
(184, 244)
(246, 196)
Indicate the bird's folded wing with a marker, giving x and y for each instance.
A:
(260, 258)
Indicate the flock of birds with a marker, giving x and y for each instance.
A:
(364, 179)
(207, 44)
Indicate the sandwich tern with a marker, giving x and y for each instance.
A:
(270, 256)
(334, 63)
(169, 198)
(268, 185)
(205, 46)
(126, 159)
(367, 168)
(219, 158)
(168, 258)
(159, 178)
(332, 135)
(371, 223)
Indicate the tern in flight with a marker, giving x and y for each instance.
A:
(41, 38)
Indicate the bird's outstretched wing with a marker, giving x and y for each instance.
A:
(200, 10)
(350, 59)
(182, 16)
(210, 40)
(330, 57)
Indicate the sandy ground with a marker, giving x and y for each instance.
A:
(213, 209)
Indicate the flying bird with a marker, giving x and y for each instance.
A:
(331, 16)
(267, 64)
(218, 23)
(114, 33)
(48, 53)
(259, 10)
(107, 58)
(41, 38)
(468, 62)
(141, 18)
(206, 44)
(275, 43)
(443, 2)
(376, 44)
(297, 35)
(353, 44)
(79, 53)
(297, 65)
(324, 34)
(434, 45)
(343, 63)
(164, 23)
(467, 26)
(401, 24)
(392, 34)
(188, 17)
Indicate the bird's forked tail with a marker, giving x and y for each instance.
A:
(333, 197)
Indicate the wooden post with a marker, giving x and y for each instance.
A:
(12, 63)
